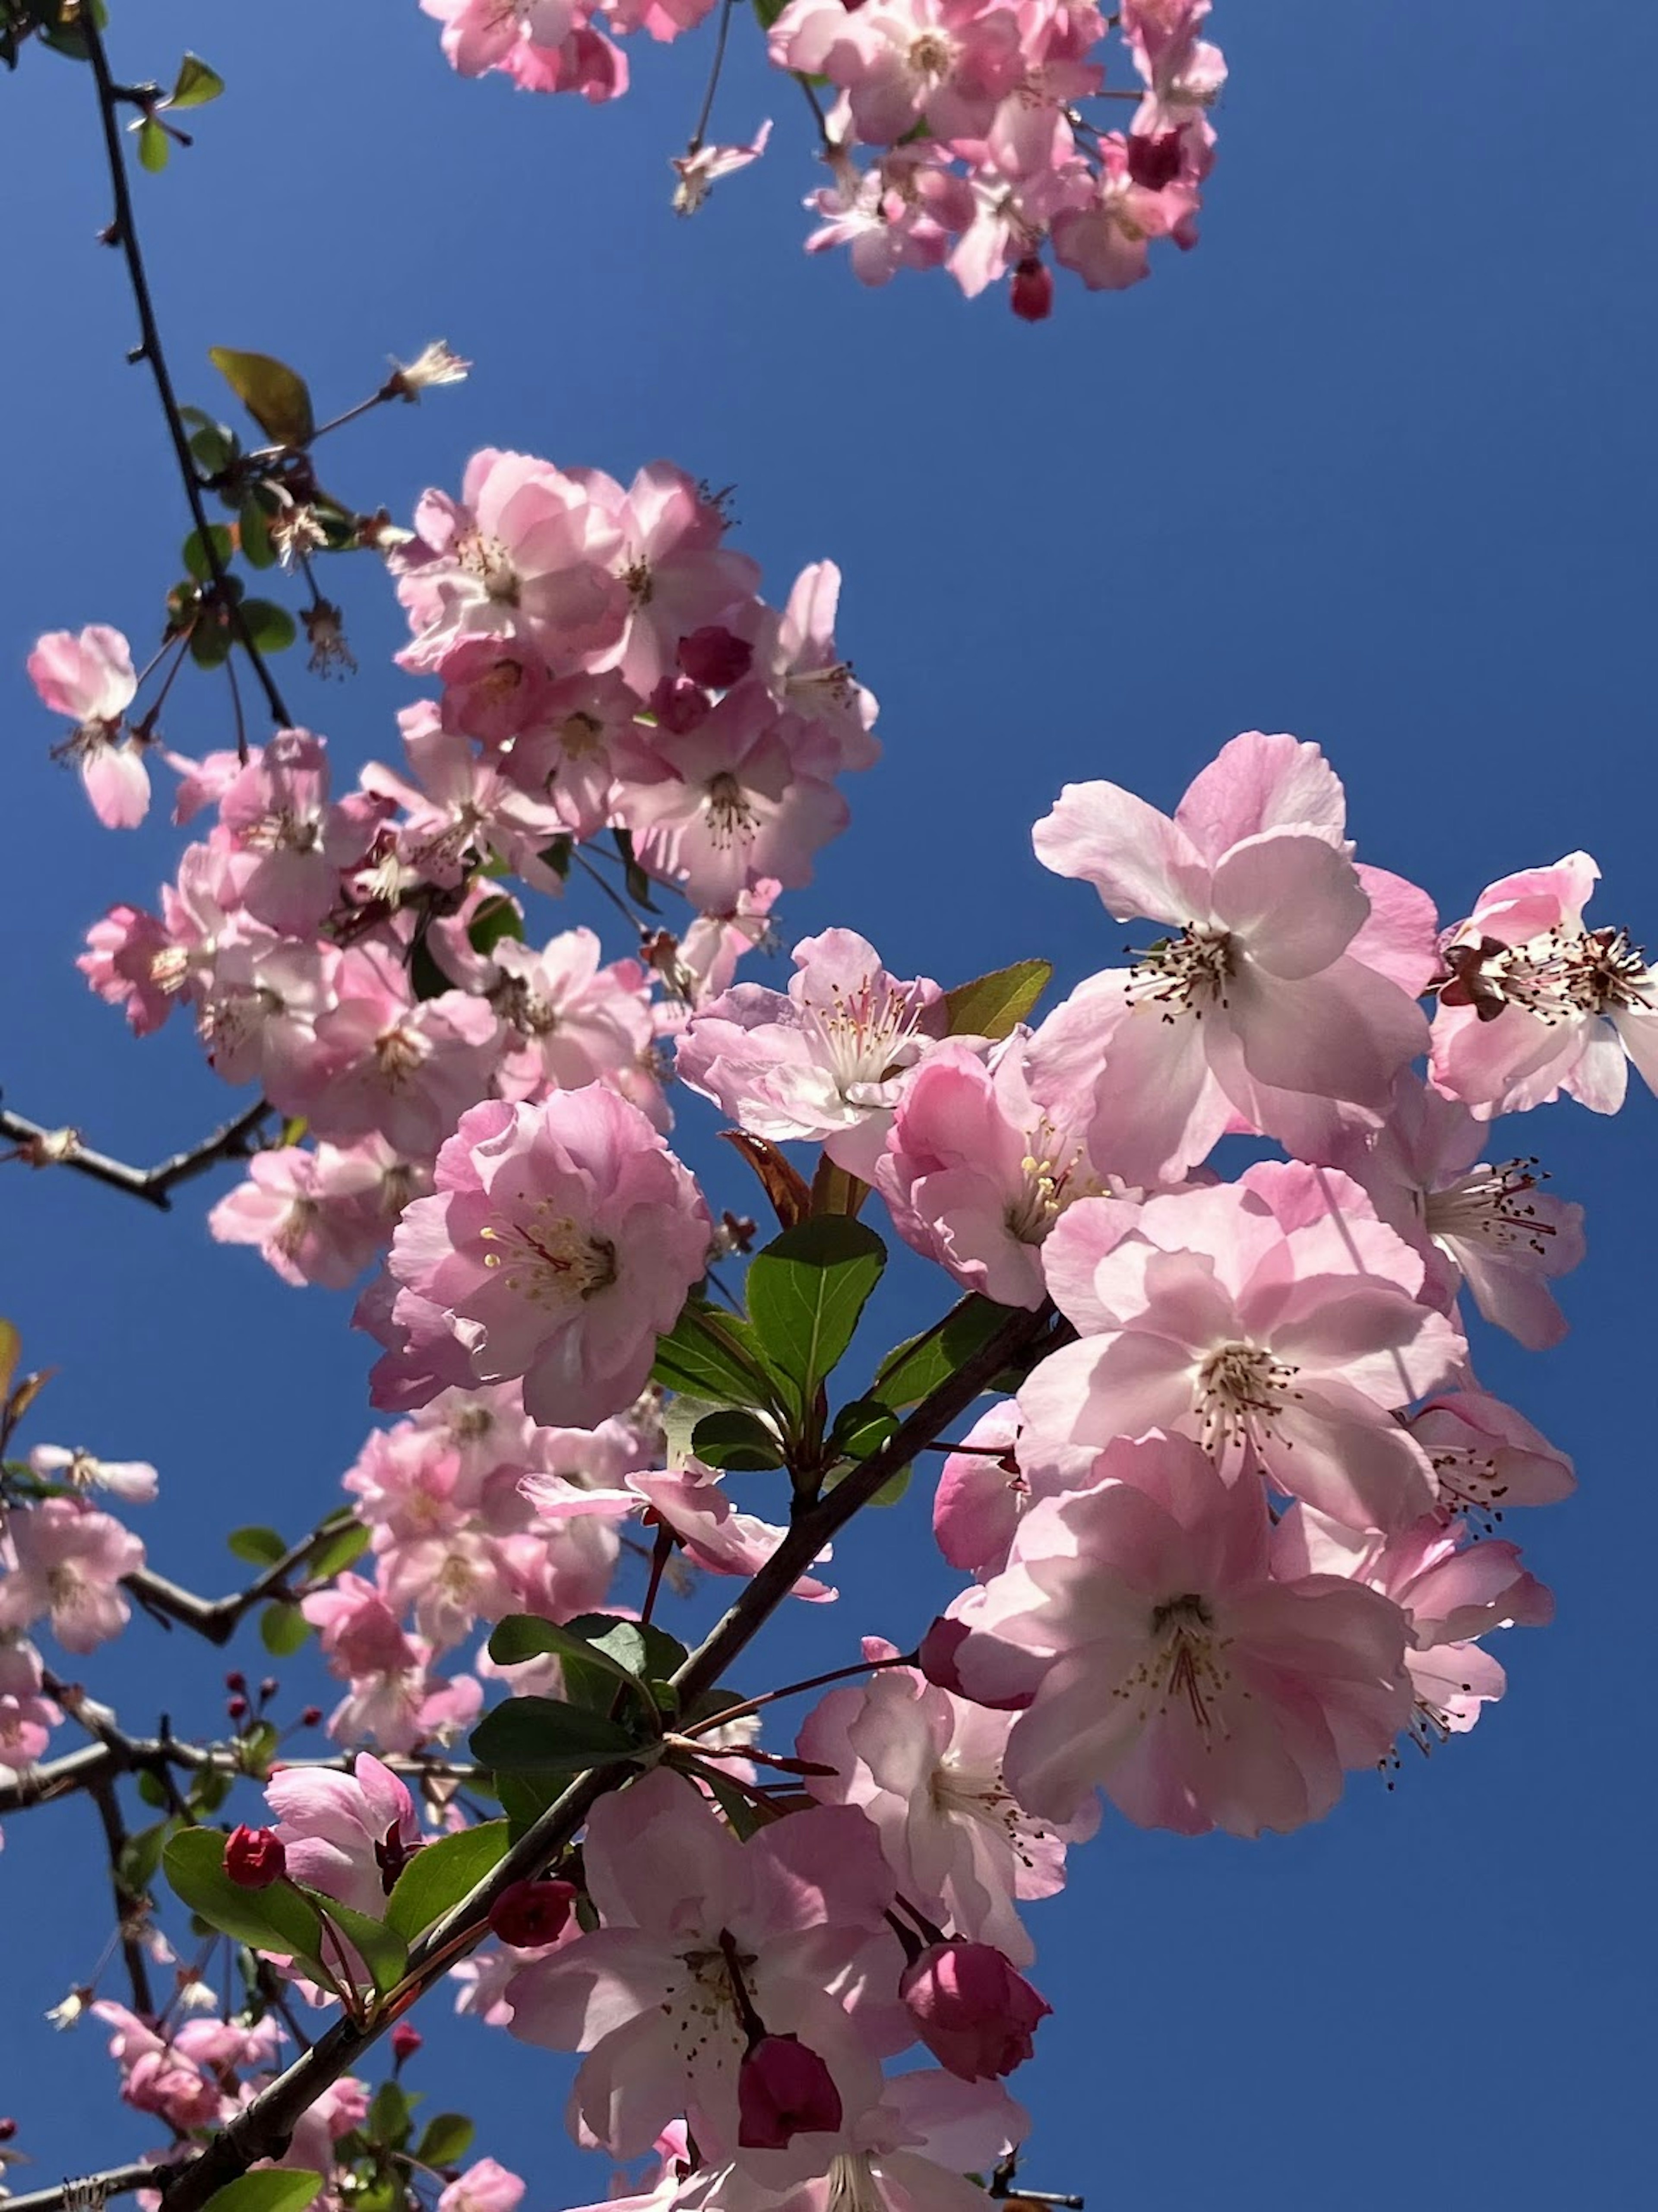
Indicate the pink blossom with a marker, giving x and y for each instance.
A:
(460, 810)
(66, 1563)
(406, 1068)
(824, 1061)
(1162, 1661)
(259, 1000)
(566, 754)
(319, 1216)
(395, 1700)
(1538, 1004)
(572, 1020)
(947, 62)
(783, 2090)
(1489, 1226)
(744, 795)
(804, 670)
(543, 46)
(1487, 1457)
(688, 1914)
(899, 213)
(974, 2013)
(690, 1500)
(492, 690)
(485, 2186)
(982, 1493)
(925, 1768)
(560, 1244)
(128, 964)
(133, 1480)
(90, 678)
(348, 1835)
(700, 167)
(26, 1717)
(1275, 1319)
(676, 575)
(709, 952)
(292, 840)
(1270, 987)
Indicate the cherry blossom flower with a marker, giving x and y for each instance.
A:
(573, 1020)
(974, 2013)
(1537, 1003)
(690, 1500)
(1162, 1662)
(65, 1564)
(388, 1062)
(700, 167)
(28, 1717)
(824, 1061)
(558, 1245)
(127, 963)
(319, 1216)
(699, 1934)
(90, 678)
(1487, 1457)
(348, 1835)
(484, 2186)
(291, 841)
(395, 1700)
(133, 1480)
(1275, 1319)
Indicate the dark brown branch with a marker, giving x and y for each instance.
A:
(114, 2181)
(123, 233)
(218, 1618)
(44, 1148)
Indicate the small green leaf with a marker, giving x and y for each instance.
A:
(445, 2140)
(389, 2121)
(282, 1630)
(737, 1807)
(441, 1874)
(209, 1790)
(383, 1950)
(257, 1747)
(271, 627)
(195, 558)
(648, 1653)
(912, 1369)
(592, 1673)
(196, 84)
(540, 1735)
(273, 2189)
(280, 1919)
(638, 882)
(261, 1548)
(141, 1855)
(154, 146)
(253, 530)
(336, 1552)
(276, 396)
(713, 1355)
(991, 1005)
(862, 1428)
(151, 1791)
(740, 1443)
(494, 919)
(215, 445)
(806, 1292)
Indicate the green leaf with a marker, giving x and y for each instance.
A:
(556, 856)
(209, 639)
(428, 979)
(273, 2189)
(445, 2140)
(253, 529)
(713, 1355)
(594, 1665)
(390, 2121)
(383, 1950)
(806, 1292)
(741, 1444)
(209, 1790)
(196, 84)
(737, 1807)
(282, 1630)
(990, 1006)
(767, 11)
(215, 445)
(154, 146)
(151, 1791)
(336, 1552)
(526, 1797)
(259, 1745)
(276, 396)
(862, 1428)
(261, 1548)
(638, 882)
(141, 1855)
(647, 1652)
(280, 1919)
(540, 1735)
(912, 1369)
(440, 1874)
(195, 554)
(494, 919)
(271, 627)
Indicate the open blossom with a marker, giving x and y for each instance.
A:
(65, 1564)
(459, 809)
(824, 1061)
(319, 1215)
(925, 1768)
(134, 1479)
(1451, 1592)
(1487, 1457)
(28, 1717)
(1274, 1319)
(1281, 976)
(289, 841)
(700, 1936)
(560, 1244)
(1489, 1226)
(394, 1699)
(698, 169)
(1538, 1003)
(573, 1019)
(485, 2186)
(348, 1835)
(90, 678)
(387, 1061)
(692, 1501)
(1139, 1623)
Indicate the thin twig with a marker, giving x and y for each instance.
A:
(123, 233)
(695, 145)
(44, 1148)
(103, 1796)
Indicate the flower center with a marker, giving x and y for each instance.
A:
(1184, 974)
(852, 2185)
(488, 561)
(704, 2006)
(1566, 974)
(637, 578)
(930, 56)
(864, 1031)
(730, 816)
(1492, 1203)
(1241, 1391)
(1187, 1664)
(550, 1261)
(580, 736)
(397, 1053)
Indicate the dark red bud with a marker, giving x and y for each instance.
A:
(531, 1913)
(312, 1716)
(8, 2130)
(235, 1680)
(269, 1688)
(254, 1857)
(715, 658)
(783, 2090)
(237, 1708)
(405, 2042)
(1155, 162)
(1030, 296)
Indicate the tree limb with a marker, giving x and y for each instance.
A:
(42, 1147)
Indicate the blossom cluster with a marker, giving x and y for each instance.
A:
(958, 132)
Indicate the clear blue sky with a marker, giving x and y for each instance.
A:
(1373, 465)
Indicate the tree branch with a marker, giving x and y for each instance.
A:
(123, 233)
(42, 1147)
(114, 2181)
(103, 1795)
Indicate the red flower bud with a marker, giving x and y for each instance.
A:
(1154, 162)
(235, 1680)
(255, 1857)
(8, 2130)
(1031, 293)
(312, 1716)
(237, 1708)
(405, 2042)
(973, 2009)
(713, 658)
(783, 2090)
(531, 1913)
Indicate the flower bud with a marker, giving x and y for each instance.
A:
(406, 2040)
(1154, 162)
(1030, 294)
(974, 2012)
(531, 1913)
(679, 705)
(255, 1857)
(237, 1708)
(715, 658)
(235, 1680)
(783, 2090)
(312, 1716)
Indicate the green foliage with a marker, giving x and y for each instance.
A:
(383, 1950)
(445, 2140)
(270, 628)
(280, 1919)
(195, 84)
(714, 1356)
(542, 1736)
(340, 1547)
(495, 918)
(918, 1366)
(276, 396)
(441, 1874)
(260, 1547)
(282, 1630)
(154, 147)
(273, 2189)
(806, 1291)
(739, 1442)
(991, 1005)
(599, 1657)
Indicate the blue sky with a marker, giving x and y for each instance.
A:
(1374, 466)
